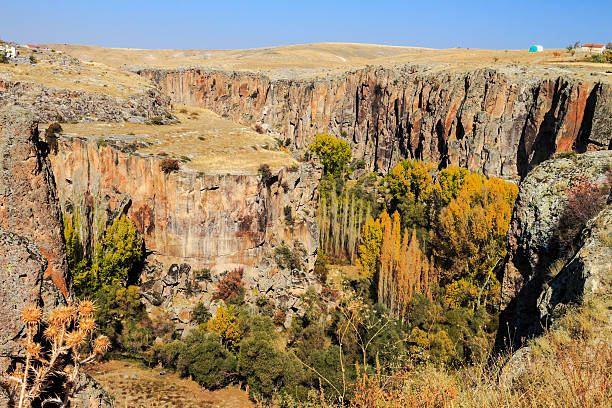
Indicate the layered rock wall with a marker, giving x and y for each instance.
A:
(214, 221)
(498, 121)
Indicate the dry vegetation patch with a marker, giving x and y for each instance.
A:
(57, 69)
(315, 59)
(202, 142)
(135, 386)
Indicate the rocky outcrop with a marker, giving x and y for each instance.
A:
(189, 221)
(501, 121)
(540, 277)
(28, 196)
(33, 258)
(63, 105)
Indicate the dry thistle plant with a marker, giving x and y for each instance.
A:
(66, 345)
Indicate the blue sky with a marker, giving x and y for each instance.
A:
(248, 24)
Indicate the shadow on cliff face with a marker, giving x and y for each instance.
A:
(583, 138)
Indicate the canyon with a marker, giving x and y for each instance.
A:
(501, 121)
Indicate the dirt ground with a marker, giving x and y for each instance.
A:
(136, 386)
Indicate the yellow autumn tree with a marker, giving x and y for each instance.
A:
(403, 269)
(369, 247)
(225, 325)
(470, 236)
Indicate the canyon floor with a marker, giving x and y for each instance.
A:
(134, 385)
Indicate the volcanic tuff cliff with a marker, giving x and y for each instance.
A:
(190, 220)
(500, 121)
(540, 277)
(215, 221)
(33, 262)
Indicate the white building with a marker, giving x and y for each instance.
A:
(9, 51)
(593, 48)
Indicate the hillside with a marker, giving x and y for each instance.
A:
(315, 59)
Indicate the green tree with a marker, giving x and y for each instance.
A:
(335, 154)
(121, 251)
(206, 360)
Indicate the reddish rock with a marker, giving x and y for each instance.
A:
(501, 122)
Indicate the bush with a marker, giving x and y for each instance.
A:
(33, 59)
(231, 289)
(3, 58)
(584, 200)
(206, 360)
(265, 173)
(204, 273)
(279, 317)
(157, 120)
(169, 165)
(288, 216)
(53, 129)
(289, 258)
(359, 164)
(200, 313)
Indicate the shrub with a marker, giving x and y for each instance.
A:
(584, 200)
(288, 216)
(169, 165)
(157, 120)
(200, 313)
(230, 288)
(359, 164)
(32, 59)
(289, 258)
(204, 273)
(53, 129)
(254, 94)
(265, 173)
(206, 360)
(279, 317)
(166, 354)
(3, 58)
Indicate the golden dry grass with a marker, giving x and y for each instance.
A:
(309, 59)
(57, 70)
(146, 388)
(211, 144)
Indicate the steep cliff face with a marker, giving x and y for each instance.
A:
(32, 253)
(500, 121)
(541, 275)
(215, 221)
